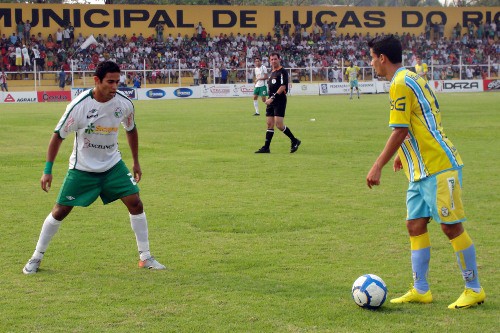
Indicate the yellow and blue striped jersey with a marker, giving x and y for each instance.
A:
(422, 70)
(352, 73)
(426, 150)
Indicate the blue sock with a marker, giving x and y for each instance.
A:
(465, 252)
(420, 258)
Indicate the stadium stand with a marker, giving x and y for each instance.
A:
(472, 52)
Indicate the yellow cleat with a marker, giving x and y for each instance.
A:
(413, 296)
(468, 298)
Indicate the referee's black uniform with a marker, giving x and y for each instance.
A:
(277, 108)
(277, 79)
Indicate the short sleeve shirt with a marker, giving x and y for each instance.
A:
(426, 150)
(277, 79)
(260, 71)
(96, 125)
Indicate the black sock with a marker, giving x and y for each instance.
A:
(289, 134)
(269, 137)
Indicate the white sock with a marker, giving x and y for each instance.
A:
(49, 229)
(256, 106)
(140, 226)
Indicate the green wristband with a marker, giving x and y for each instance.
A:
(48, 168)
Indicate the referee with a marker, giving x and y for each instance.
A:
(276, 105)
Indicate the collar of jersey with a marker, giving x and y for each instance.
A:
(402, 68)
(274, 70)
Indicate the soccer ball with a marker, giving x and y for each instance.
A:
(369, 291)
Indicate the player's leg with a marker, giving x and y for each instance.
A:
(450, 213)
(279, 121)
(357, 89)
(256, 103)
(50, 227)
(418, 216)
(120, 184)
(78, 189)
(420, 258)
(465, 252)
(265, 149)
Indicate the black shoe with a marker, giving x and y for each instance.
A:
(295, 146)
(256, 114)
(263, 150)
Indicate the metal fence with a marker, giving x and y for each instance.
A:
(40, 80)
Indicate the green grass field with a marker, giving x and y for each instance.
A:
(255, 243)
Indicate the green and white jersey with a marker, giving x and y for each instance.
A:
(260, 72)
(96, 125)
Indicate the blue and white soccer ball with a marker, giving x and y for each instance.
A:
(369, 291)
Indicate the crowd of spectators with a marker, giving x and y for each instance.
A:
(227, 55)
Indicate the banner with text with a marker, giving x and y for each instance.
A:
(457, 85)
(54, 96)
(344, 88)
(226, 90)
(18, 97)
(297, 89)
(183, 19)
(168, 93)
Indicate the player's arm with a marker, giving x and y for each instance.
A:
(133, 142)
(264, 75)
(397, 165)
(54, 145)
(397, 137)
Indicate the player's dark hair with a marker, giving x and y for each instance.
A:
(390, 46)
(257, 58)
(275, 54)
(106, 67)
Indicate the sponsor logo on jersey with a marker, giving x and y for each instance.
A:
(100, 130)
(155, 93)
(90, 128)
(183, 92)
(69, 122)
(88, 144)
(118, 112)
(92, 114)
(399, 104)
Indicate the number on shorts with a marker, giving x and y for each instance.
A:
(132, 179)
(451, 187)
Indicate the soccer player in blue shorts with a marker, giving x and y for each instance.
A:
(352, 72)
(96, 168)
(434, 168)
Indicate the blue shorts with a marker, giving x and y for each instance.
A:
(353, 83)
(438, 196)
